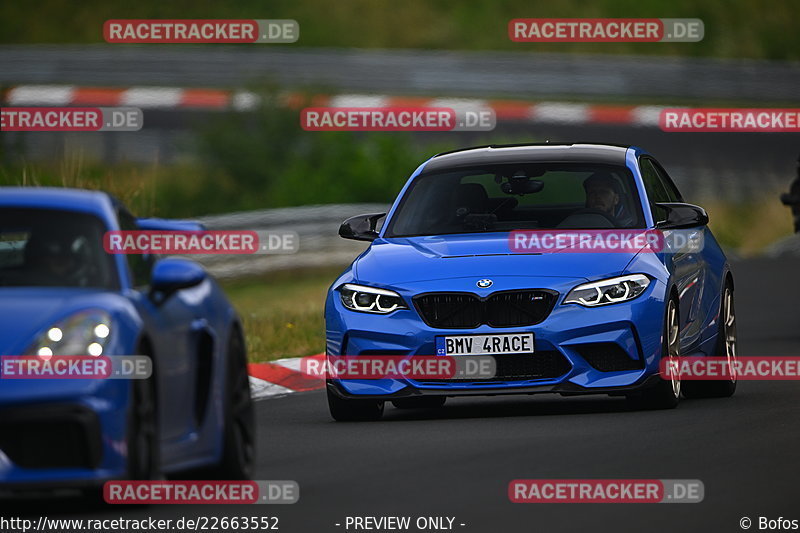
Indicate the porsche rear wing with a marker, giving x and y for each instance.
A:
(164, 224)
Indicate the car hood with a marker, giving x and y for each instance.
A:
(411, 259)
(27, 311)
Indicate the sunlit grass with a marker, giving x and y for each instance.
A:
(749, 227)
(282, 312)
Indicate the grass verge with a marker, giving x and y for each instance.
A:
(282, 312)
(748, 228)
(733, 28)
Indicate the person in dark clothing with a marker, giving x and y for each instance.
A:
(603, 193)
(792, 198)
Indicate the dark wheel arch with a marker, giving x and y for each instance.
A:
(142, 438)
(237, 459)
(663, 395)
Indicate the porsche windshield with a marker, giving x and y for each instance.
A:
(506, 197)
(53, 248)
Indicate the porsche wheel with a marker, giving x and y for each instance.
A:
(239, 435)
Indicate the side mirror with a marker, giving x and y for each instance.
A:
(682, 216)
(361, 227)
(173, 274)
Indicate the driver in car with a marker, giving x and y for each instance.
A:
(52, 259)
(603, 194)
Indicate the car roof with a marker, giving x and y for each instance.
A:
(526, 153)
(96, 202)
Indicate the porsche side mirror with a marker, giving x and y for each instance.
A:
(173, 274)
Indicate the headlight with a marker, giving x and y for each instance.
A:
(608, 291)
(84, 333)
(370, 299)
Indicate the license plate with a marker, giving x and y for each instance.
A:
(485, 344)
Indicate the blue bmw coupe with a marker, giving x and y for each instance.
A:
(62, 294)
(442, 277)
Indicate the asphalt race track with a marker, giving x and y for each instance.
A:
(458, 461)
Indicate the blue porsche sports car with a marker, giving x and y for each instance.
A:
(62, 294)
(440, 277)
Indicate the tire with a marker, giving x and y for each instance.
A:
(239, 442)
(725, 347)
(346, 410)
(423, 402)
(666, 394)
(142, 438)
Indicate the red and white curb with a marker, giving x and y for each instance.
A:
(282, 377)
(220, 99)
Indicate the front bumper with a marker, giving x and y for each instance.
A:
(570, 332)
(565, 389)
(63, 440)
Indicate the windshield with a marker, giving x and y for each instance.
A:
(507, 197)
(53, 248)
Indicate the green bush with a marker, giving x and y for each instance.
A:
(267, 160)
(245, 161)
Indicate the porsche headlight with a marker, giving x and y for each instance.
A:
(370, 299)
(608, 291)
(84, 333)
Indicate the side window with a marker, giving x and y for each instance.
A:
(140, 265)
(655, 189)
(672, 191)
